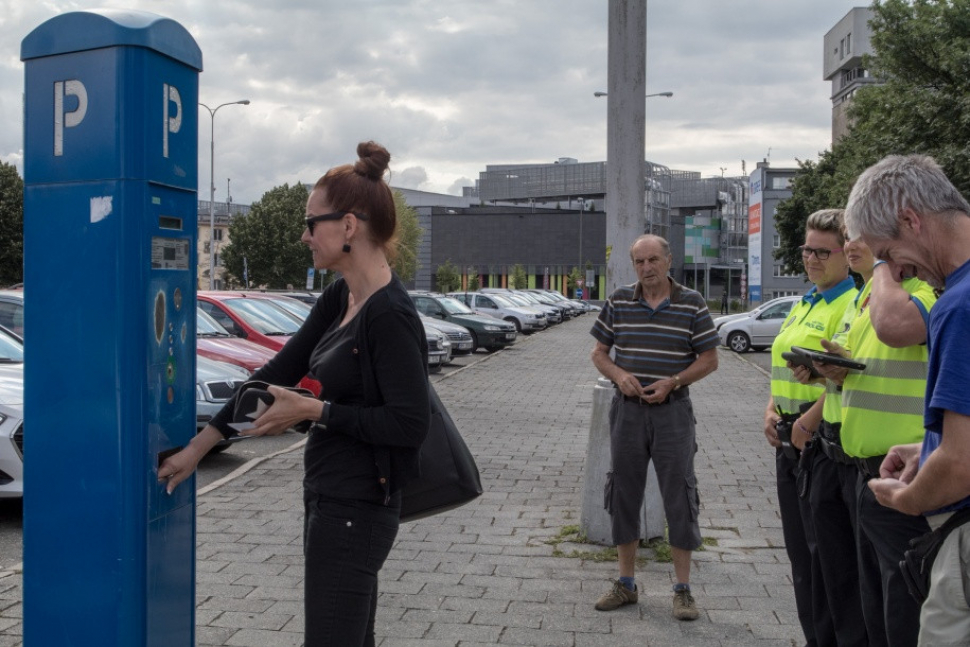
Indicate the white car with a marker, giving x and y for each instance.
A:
(11, 415)
(495, 305)
(756, 329)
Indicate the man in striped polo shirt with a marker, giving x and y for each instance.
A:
(663, 339)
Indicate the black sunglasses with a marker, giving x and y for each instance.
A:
(336, 215)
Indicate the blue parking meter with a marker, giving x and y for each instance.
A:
(110, 208)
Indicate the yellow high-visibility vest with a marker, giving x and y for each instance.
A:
(882, 406)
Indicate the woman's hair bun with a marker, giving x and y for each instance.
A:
(373, 161)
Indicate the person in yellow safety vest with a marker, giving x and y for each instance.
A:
(882, 406)
(816, 317)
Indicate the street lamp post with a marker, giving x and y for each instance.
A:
(212, 184)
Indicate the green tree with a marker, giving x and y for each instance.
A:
(473, 283)
(11, 225)
(921, 106)
(408, 239)
(518, 279)
(268, 237)
(573, 279)
(447, 278)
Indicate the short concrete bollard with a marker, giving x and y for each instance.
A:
(594, 521)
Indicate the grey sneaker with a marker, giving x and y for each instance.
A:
(616, 597)
(684, 606)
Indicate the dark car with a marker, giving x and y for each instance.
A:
(487, 332)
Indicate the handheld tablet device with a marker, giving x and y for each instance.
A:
(828, 358)
(801, 360)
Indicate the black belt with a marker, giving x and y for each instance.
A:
(679, 394)
(868, 467)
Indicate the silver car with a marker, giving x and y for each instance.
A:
(756, 329)
(495, 305)
(11, 415)
(462, 342)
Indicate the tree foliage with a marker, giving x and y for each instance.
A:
(922, 105)
(268, 237)
(518, 279)
(11, 225)
(473, 283)
(408, 239)
(447, 278)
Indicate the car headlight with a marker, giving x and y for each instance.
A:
(199, 394)
(2, 418)
(493, 328)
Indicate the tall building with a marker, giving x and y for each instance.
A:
(842, 64)
(765, 276)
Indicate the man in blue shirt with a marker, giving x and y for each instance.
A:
(912, 217)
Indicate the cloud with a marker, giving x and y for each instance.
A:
(449, 87)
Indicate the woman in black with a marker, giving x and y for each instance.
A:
(366, 345)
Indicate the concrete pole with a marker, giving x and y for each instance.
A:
(625, 138)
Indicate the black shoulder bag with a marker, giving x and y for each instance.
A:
(447, 474)
(918, 560)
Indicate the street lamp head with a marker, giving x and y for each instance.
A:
(244, 102)
(658, 94)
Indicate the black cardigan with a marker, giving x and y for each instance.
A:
(392, 349)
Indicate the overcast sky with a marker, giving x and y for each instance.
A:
(449, 86)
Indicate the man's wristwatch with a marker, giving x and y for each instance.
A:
(676, 379)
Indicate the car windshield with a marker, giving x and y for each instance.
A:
(501, 301)
(517, 299)
(206, 326)
(296, 308)
(454, 306)
(541, 298)
(265, 317)
(11, 350)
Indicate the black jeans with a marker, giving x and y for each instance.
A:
(799, 532)
(345, 543)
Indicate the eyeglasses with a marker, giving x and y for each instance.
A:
(821, 253)
(336, 215)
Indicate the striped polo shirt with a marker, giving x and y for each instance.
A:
(655, 344)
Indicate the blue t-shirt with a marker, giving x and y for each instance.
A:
(948, 372)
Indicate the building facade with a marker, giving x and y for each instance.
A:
(844, 47)
(765, 278)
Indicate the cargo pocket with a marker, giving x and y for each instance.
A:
(608, 494)
(693, 499)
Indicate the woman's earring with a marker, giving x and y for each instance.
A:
(346, 248)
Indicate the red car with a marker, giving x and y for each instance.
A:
(256, 320)
(215, 342)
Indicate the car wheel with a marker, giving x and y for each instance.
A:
(739, 342)
(515, 322)
(474, 341)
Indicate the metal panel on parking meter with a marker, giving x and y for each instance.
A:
(110, 208)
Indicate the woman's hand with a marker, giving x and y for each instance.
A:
(178, 467)
(771, 434)
(288, 409)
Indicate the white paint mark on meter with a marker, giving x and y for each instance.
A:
(100, 208)
(171, 120)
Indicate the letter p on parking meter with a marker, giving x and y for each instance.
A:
(110, 210)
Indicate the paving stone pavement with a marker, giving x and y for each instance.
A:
(486, 574)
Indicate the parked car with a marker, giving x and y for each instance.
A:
(487, 332)
(12, 311)
(11, 415)
(214, 342)
(215, 382)
(578, 307)
(567, 310)
(756, 329)
(306, 297)
(525, 320)
(459, 336)
(521, 298)
(295, 307)
(439, 348)
(257, 320)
